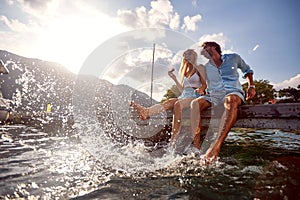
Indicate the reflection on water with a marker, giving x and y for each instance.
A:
(86, 164)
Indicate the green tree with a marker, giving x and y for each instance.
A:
(173, 92)
(292, 93)
(264, 92)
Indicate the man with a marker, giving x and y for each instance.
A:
(223, 87)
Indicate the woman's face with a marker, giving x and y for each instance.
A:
(189, 56)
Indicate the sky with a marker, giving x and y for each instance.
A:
(265, 33)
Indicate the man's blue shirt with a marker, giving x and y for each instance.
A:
(226, 76)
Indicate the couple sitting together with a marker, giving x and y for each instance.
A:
(203, 86)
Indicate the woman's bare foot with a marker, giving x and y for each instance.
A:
(142, 112)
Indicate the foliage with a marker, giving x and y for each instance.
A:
(289, 94)
(173, 92)
(264, 92)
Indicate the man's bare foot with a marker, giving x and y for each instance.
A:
(142, 112)
(207, 161)
(211, 154)
(197, 139)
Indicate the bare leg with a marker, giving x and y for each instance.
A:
(144, 112)
(177, 113)
(232, 102)
(197, 106)
(177, 117)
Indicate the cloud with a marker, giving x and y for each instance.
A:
(292, 82)
(161, 12)
(174, 22)
(57, 31)
(216, 37)
(10, 2)
(19, 34)
(132, 18)
(134, 69)
(190, 23)
(67, 31)
(13, 24)
(138, 61)
(160, 15)
(38, 9)
(36, 4)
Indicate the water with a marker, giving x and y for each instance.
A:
(85, 164)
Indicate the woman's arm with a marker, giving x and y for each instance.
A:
(202, 74)
(172, 75)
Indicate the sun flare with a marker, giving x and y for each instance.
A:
(69, 39)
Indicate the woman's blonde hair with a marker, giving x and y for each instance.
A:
(185, 64)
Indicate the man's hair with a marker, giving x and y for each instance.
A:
(213, 44)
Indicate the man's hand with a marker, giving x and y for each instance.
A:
(250, 93)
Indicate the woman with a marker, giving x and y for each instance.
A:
(191, 86)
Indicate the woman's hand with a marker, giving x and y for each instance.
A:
(200, 90)
(171, 74)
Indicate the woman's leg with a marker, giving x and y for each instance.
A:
(145, 112)
(177, 117)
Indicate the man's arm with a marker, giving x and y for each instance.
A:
(251, 87)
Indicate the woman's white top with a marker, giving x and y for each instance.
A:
(193, 82)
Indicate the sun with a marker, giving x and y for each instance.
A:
(68, 39)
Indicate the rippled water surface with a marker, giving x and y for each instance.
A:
(85, 164)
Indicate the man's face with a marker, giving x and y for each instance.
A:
(206, 51)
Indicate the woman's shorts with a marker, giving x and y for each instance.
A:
(189, 93)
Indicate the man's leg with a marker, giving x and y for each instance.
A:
(231, 104)
(197, 106)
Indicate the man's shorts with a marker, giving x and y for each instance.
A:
(218, 97)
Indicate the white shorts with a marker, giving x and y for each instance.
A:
(218, 97)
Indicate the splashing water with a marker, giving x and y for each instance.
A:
(131, 158)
